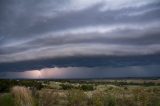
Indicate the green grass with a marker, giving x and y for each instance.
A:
(6, 100)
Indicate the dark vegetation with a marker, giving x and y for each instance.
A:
(5, 85)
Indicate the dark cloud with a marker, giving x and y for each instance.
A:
(87, 72)
(78, 33)
(28, 18)
(87, 61)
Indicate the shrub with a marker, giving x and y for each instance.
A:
(6, 100)
(109, 100)
(154, 100)
(48, 98)
(22, 96)
(97, 99)
(76, 98)
(125, 101)
(141, 96)
(87, 87)
(66, 86)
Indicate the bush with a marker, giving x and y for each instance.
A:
(6, 100)
(145, 97)
(97, 99)
(125, 101)
(87, 87)
(22, 96)
(101, 99)
(66, 86)
(7, 84)
(76, 98)
(109, 100)
(48, 98)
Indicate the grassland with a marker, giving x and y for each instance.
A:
(80, 93)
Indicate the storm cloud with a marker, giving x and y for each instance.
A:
(49, 32)
(86, 72)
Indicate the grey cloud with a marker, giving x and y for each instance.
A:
(91, 17)
(81, 50)
(45, 29)
(28, 22)
(118, 37)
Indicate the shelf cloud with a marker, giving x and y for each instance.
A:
(33, 30)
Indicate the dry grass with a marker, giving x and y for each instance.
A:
(48, 98)
(104, 95)
(22, 96)
(76, 98)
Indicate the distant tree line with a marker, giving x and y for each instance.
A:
(5, 85)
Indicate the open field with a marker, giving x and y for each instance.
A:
(80, 92)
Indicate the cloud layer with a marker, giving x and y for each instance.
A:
(86, 72)
(32, 29)
(79, 38)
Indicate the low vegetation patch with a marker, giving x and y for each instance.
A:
(77, 94)
(22, 96)
(6, 100)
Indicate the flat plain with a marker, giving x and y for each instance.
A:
(104, 92)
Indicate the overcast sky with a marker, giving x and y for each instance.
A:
(37, 34)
